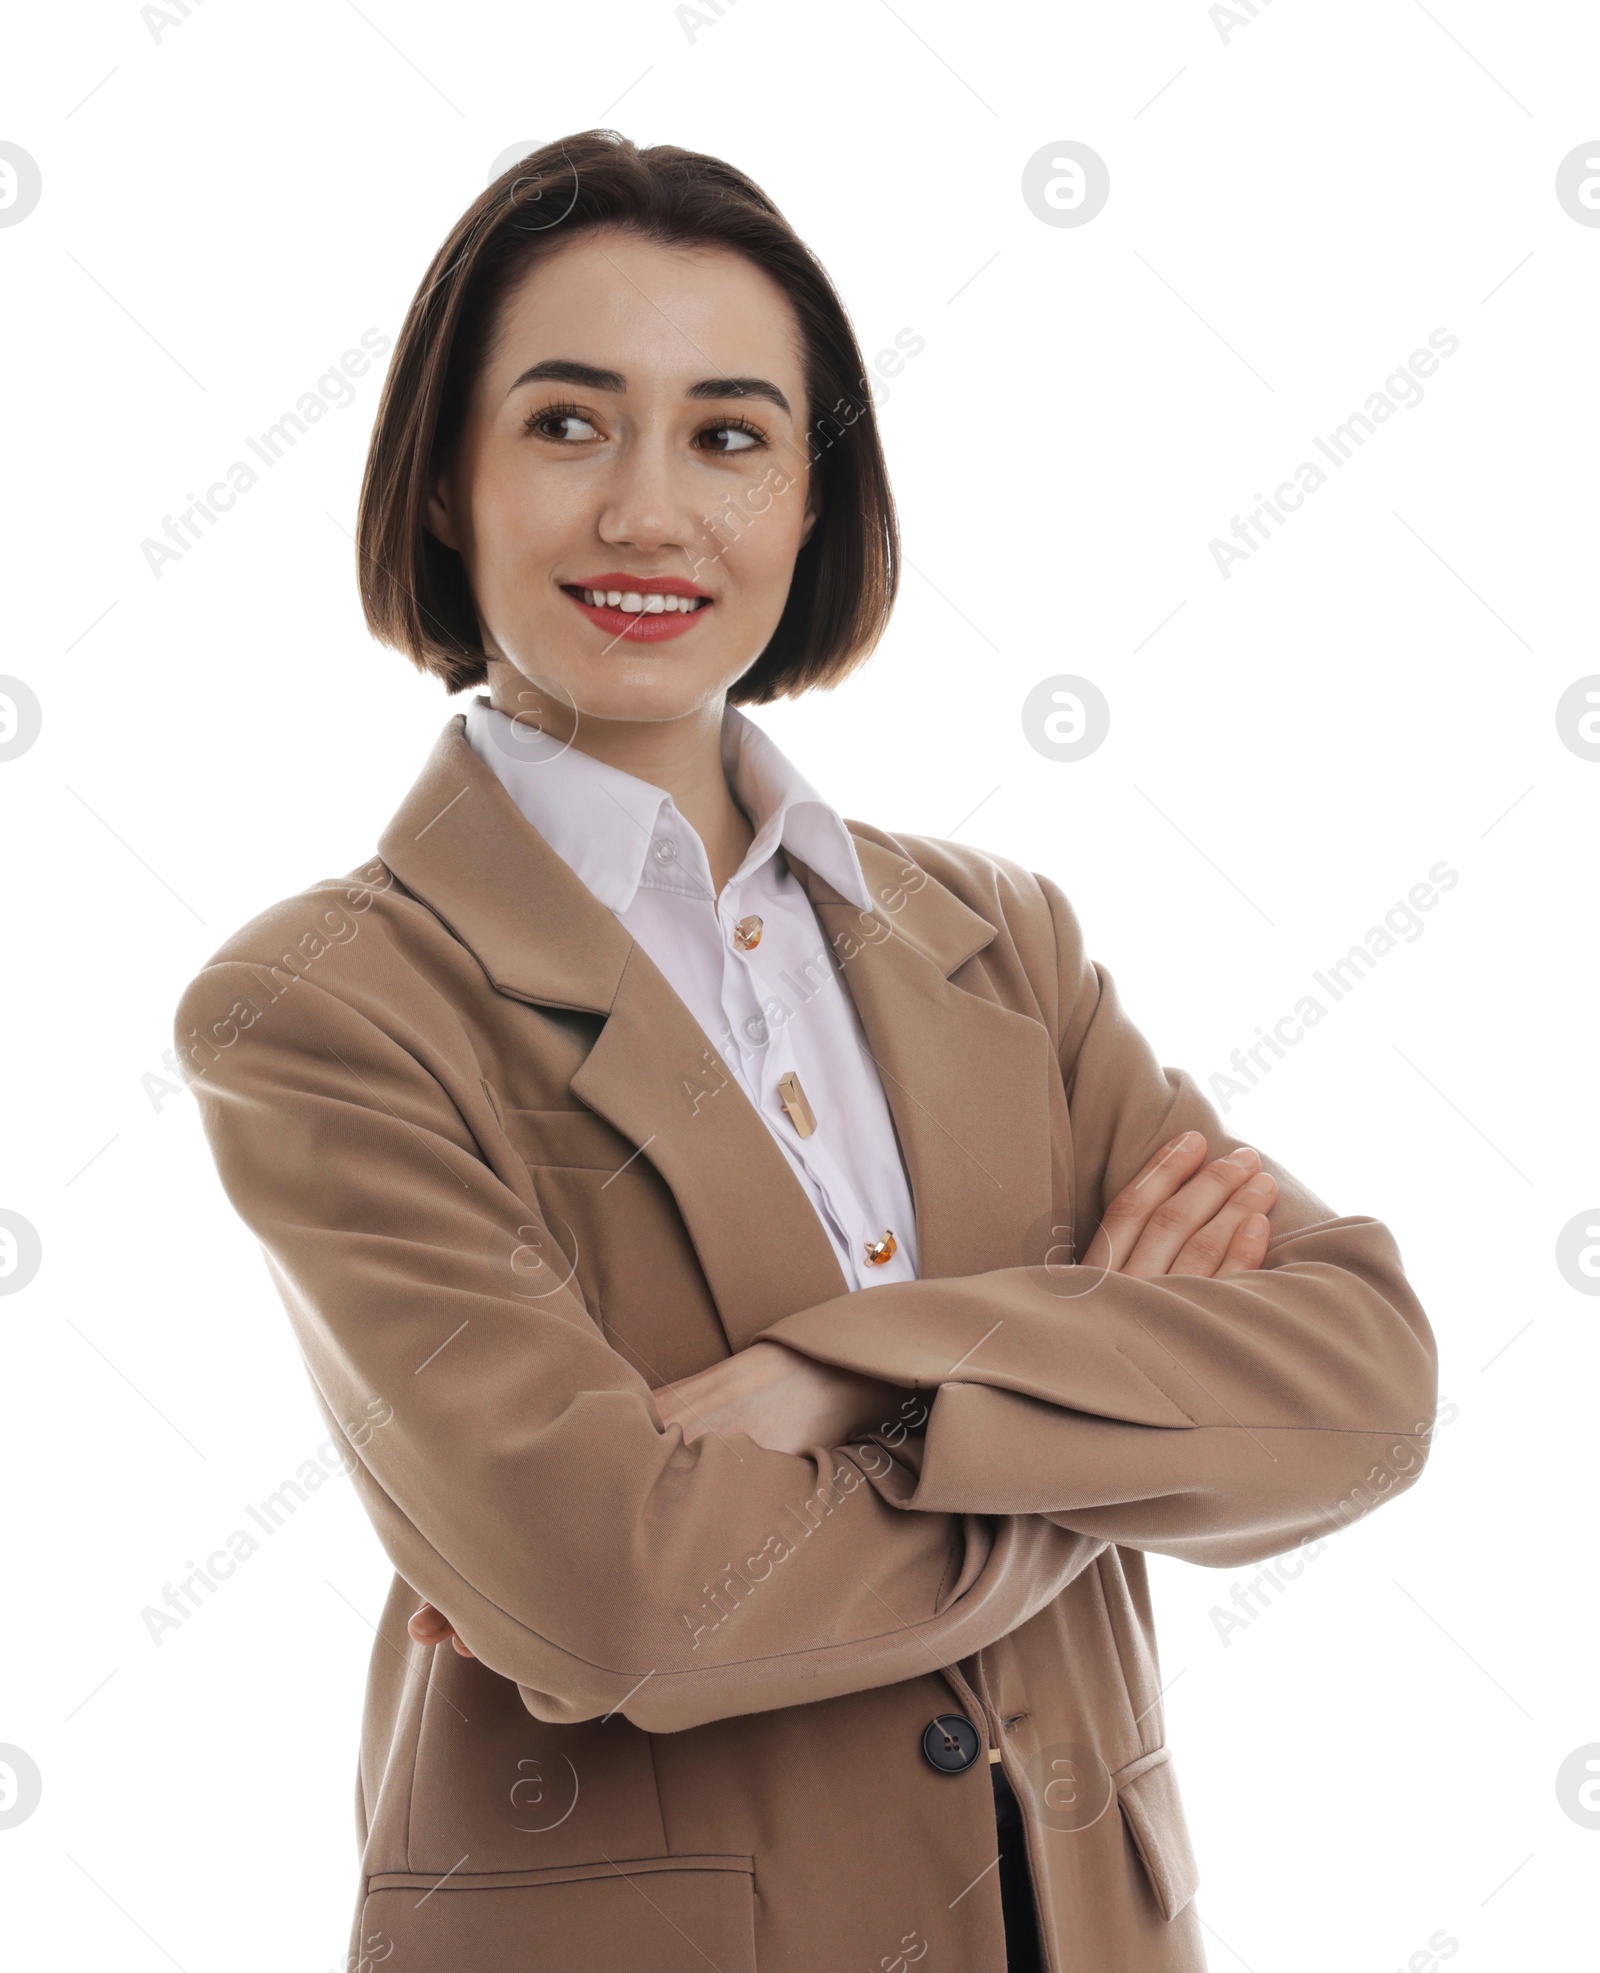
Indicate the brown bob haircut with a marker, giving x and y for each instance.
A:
(414, 589)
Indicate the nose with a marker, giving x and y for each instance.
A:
(647, 500)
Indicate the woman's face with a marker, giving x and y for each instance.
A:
(637, 431)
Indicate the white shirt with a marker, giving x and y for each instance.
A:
(780, 1007)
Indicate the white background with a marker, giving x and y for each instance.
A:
(1373, 1759)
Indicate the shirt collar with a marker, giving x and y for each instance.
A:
(605, 824)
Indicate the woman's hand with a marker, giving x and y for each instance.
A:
(1183, 1216)
(773, 1395)
(1179, 1215)
(431, 1626)
(780, 1399)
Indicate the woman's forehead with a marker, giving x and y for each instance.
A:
(649, 313)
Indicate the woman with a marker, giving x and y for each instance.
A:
(772, 1293)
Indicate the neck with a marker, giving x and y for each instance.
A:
(682, 756)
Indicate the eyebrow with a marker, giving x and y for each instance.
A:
(564, 370)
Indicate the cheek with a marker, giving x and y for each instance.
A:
(762, 561)
(520, 522)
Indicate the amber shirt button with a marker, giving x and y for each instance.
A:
(879, 1251)
(950, 1743)
(747, 933)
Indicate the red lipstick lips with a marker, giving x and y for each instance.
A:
(630, 615)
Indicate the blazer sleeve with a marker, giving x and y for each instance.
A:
(513, 1463)
(1223, 1421)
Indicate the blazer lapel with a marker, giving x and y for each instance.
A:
(654, 1076)
(461, 844)
(966, 1080)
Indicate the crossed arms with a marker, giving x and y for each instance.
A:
(1186, 1388)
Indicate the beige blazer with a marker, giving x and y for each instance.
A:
(505, 1187)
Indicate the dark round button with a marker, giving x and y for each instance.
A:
(951, 1743)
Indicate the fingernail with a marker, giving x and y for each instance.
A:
(1245, 1157)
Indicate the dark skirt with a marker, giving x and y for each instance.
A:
(1016, 1888)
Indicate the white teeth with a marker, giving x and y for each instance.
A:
(637, 604)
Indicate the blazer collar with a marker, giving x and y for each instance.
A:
(602, 822)
(460, 842)
(966, 1078)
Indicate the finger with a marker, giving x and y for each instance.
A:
(1205, 1251)
(429, 1626)
(1182, 1215)
(672, 1410)
(1156, 1181)
(1248, 1247)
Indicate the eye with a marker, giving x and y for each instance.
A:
(743, 435)
(548, 424)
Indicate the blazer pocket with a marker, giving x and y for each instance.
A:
(1147, 1794)
(670, 1914)
(573, 1139)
